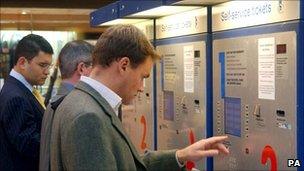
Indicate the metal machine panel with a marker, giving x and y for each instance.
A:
(181, 99)
(138, 119)
(254, 100)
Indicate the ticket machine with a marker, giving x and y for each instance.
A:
(258, 84)
(181, 81)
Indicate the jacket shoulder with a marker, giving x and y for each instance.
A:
(76, 103)
(12, 88)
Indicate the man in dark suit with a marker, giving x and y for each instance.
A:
(87, 133)
(21, 106)
(75, 60)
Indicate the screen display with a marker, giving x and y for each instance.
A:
(281, 48)
(232, 114)
(197, 54)
(168, 105)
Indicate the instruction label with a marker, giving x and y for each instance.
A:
(266, 65)
(236, 68)
(188, 69)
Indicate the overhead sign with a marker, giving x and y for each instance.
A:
(238, 14)
(146, 27)
(191, 22)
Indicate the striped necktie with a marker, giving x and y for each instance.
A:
(39, 97)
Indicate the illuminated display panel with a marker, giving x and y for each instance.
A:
(232, 114)
(168, 105)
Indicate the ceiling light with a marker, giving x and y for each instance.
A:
(163, 11)
(122, 21)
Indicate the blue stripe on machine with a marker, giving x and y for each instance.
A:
(222, 62)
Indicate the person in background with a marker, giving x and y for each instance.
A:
(21, 105)
(50, 93)
(75, 60)
(87, 133)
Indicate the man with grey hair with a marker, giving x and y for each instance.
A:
(75, 60)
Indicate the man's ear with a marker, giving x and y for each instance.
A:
(21, 62)
(124, 63)
(80, 67)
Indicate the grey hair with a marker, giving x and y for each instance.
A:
(72, 54)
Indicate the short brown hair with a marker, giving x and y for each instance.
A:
(123, 41)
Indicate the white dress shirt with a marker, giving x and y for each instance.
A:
(111, 97)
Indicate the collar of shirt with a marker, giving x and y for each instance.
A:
(111, 97)
(69, 86)
(20, 77)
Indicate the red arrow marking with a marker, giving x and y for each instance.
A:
(143, 143)
(190, 164)
(269, 153)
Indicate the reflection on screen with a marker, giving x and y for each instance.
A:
(168, 105)
(232, 114)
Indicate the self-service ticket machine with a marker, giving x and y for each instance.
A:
(181, 81)
(258, 84)
(138, 117)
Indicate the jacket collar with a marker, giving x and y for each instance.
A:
(13, 81)
(65, 88)
(21, 78)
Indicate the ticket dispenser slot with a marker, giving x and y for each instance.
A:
(281, 113)
(257, 111)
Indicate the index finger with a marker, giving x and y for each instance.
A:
(215, 139)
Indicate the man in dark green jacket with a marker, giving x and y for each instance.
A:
(87, 133)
